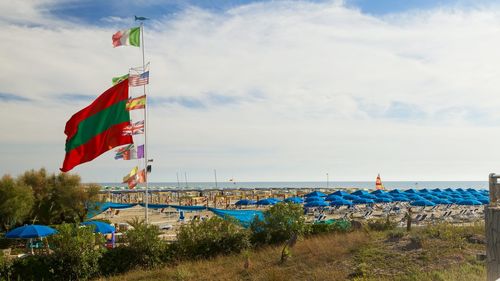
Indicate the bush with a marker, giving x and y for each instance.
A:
(329, 226)
(281, 222)
(116, 261)
(76, 253)
(32, 268)
(381, 224)
(210, 238)
(145, 245)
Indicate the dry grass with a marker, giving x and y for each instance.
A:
(362, 255)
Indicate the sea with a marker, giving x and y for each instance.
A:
(333, 185)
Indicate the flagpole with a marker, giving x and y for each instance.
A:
(146, 199)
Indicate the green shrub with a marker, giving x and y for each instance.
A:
(77, 251)
(117, 260)
(145, 244)
(210, 238)
(5, 268)
(397, 233)
(280, 222)
(32, 268)
(381, 224)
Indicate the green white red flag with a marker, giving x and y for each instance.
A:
(129, 37)
(98, 127)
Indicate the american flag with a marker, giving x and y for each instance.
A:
(134, 129)
(135, 80)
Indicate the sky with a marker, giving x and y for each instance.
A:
(263, 90)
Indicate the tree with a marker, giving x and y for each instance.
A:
(281, 222)
(58, 198)
(16, 202)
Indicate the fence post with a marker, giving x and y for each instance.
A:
(492, 229)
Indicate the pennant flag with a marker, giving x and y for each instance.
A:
(136, 103)
(140, 18)
(135, 80)
(129, 152)
(129, 37)
(134, 129)
(131, 175)
(116, 80)
(98, 127)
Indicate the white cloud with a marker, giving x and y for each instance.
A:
(319, 88)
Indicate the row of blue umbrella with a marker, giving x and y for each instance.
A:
(423, 197)
(36, 230)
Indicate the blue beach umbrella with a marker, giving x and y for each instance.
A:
(437, 190)
(316, 194)
(378, 191)
(316, 204)
(383, 195)
(351, 197)
(442, 201)
(424, 203)
(332, 197)
(411, 191)
(363, 201)
(368, 196)
(314, 198)
(31, 231)
(266, 202)
(469, 202)
(425, 190)
(245, 202)
(396, 191)
(400, 199)
(383, 200)
(360, 192)
(484, 200)
(276, 200)
(340, 193)
(296, 200)
(100, 227)
(413, 196)
(341, 202)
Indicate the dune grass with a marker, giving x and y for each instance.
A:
(439, 252)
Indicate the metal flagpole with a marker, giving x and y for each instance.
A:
(146, 200)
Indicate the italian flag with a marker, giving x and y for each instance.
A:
(129, 37)
(98, 127)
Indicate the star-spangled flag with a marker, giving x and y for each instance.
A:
(134, 129)
(141, 79)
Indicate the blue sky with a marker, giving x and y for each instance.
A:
(263, 91)
(96, 12)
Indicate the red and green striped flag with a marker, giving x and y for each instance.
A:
(98, 127)
(129, 37)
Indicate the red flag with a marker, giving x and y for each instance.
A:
(98, 127)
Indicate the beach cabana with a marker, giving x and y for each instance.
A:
(296, 200)
(341, 202)
(316, 194)
(100, 227)
(245, 202)
(31, 231)
(316, 204)
(424, 203)
(340, 193)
